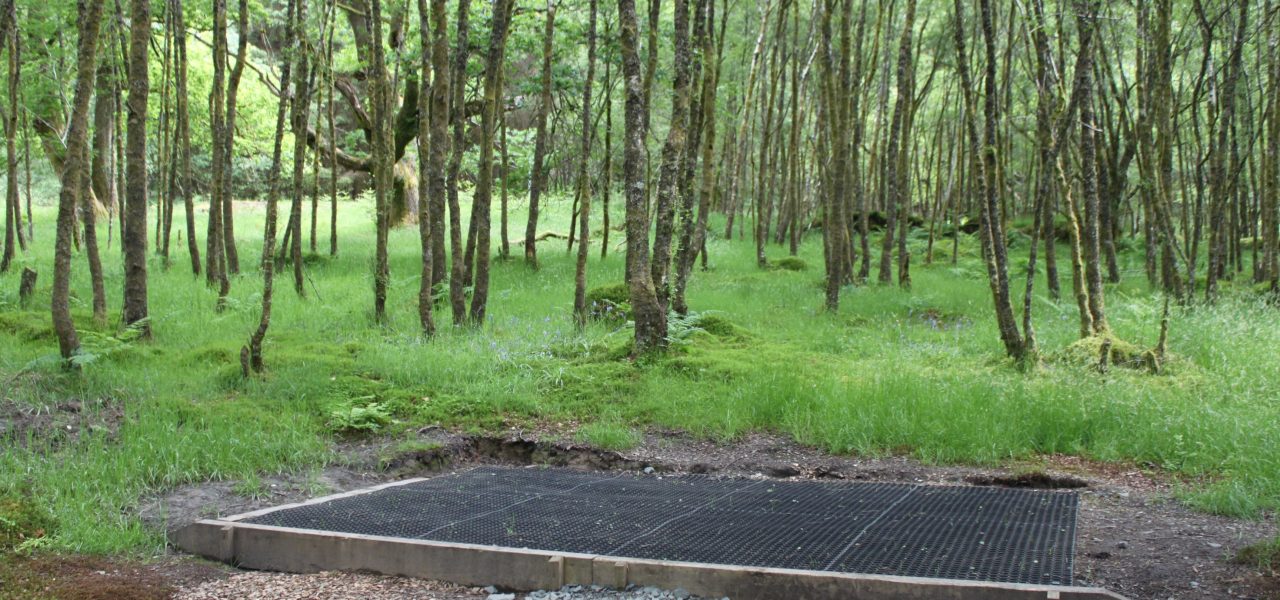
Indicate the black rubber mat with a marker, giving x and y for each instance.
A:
(973, 533)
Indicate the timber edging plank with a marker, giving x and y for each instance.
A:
(266, 547)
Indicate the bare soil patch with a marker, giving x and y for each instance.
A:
(56, 425)
(75, 577)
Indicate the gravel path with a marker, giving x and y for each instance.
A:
(357, 586)
(325, 586)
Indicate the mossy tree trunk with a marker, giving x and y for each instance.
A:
(134, 235)
(1086, 16)
(458, 268)
(89, 17)
(437, 148)
(182, 136)
(215, 251)
(233, 88)
(672, 154)
(584, 181)
(702, 141)
(382, 156)
(12, 210)
(493, 98)
(650, 320)
(251, 355)
(538, 176)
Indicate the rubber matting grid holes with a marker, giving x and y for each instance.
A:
(989, 534)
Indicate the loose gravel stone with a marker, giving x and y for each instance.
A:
(325, 586)
(358, 586)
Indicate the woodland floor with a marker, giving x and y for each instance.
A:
(1182, 468)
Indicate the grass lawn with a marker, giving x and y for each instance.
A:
(920, 373)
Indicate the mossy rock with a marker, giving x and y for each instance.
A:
(721, 327)
(27, 326)
(610, 302)
(790, 263)
(618, 293)
(211, 355)
(1121, 353)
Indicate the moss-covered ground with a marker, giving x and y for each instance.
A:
(917, 372)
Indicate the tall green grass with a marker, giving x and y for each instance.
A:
(893, 372)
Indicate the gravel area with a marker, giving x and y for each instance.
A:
(360, 586)
(325, 586)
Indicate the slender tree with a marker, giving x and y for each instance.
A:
(693, 228)
(183, 136)
(481, 200)
(215, 252)
(538, 178)
(333, 135)
(1086, 16)
(672, 157)
(897, 182)
(438, 145)
(134, 233)
(89, 15)
(457, 267)
(383, 156)
(650, 319)
(303, 76)
(606, 173)
(12, 210)
(229, 140)
(251, 355)
(584, 185)
(984, 155)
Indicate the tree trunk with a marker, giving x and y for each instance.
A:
(90, 13)
(584, 182)
(233, 88)
(897, 179)
(251, 355)
(382, 154)
(333, 158)
(437, 148)
(993, 241)
(482, 200)
(134, 235)
(650, 319)
(426, 153)
(12, 210)
(694, 227)
(1086, 15)
(457, 271)
(104, 111)
(1270, 201)
(216, 266)
(183, 138)
(672, 153)
(504, 248)
(607, 170)
(1221, 179)
(538, 176)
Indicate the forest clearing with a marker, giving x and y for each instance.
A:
(318, 246)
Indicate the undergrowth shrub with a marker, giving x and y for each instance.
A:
(354, 419)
